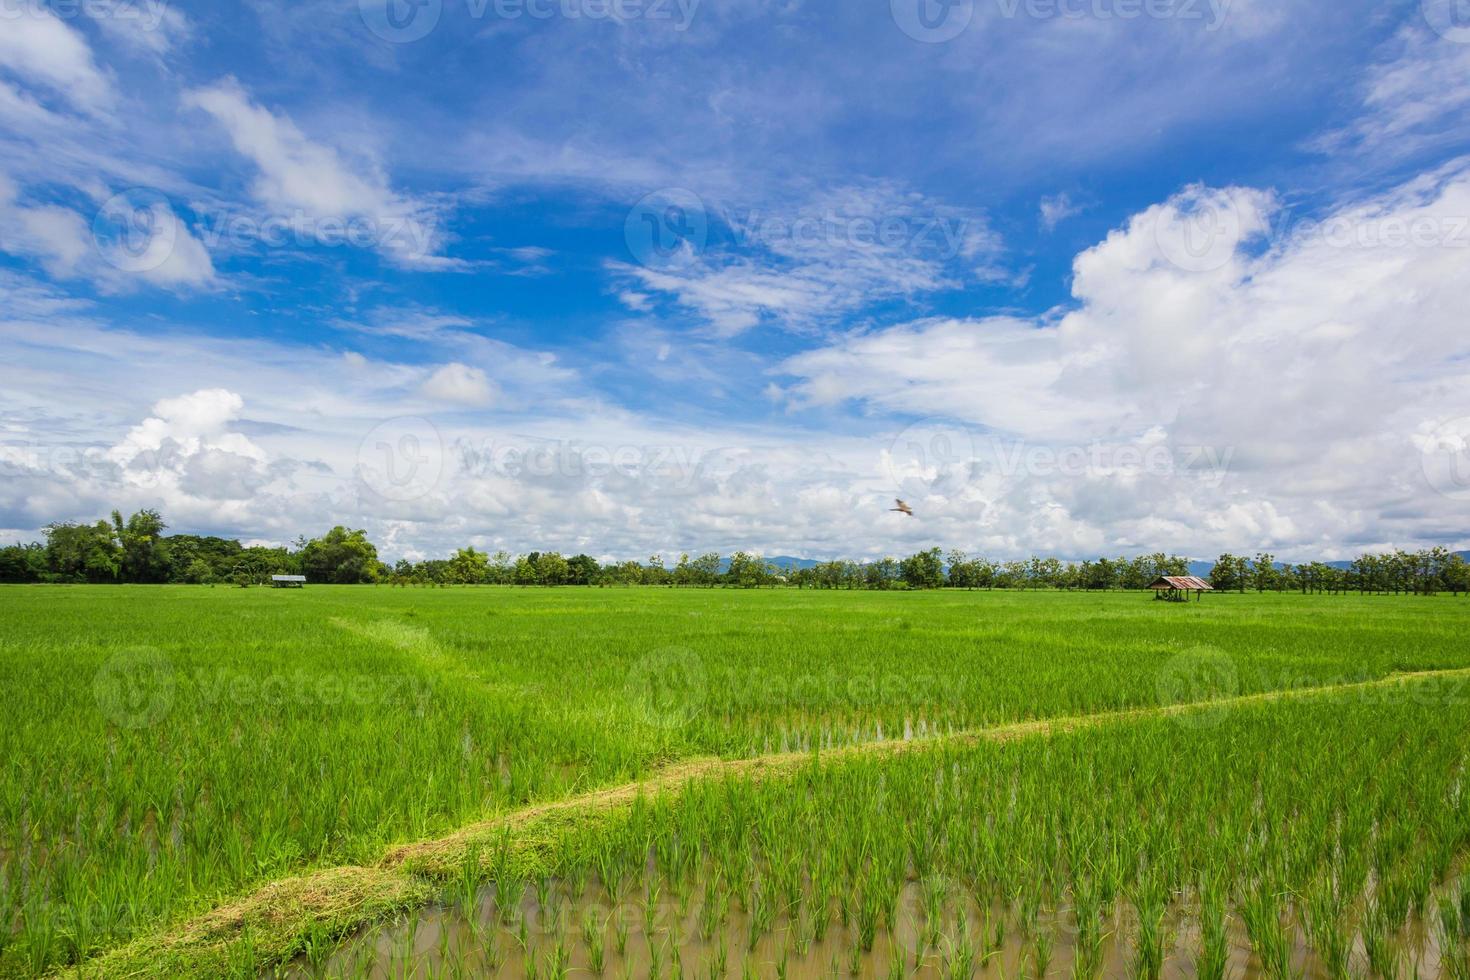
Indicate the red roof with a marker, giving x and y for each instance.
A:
(1188, 583)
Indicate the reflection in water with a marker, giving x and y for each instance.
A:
(937, 930)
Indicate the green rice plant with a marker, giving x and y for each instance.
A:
(620, 932)
(655, 961)
(1214, 941)
(1454, 945)
(558, 960)
(897, 961)
(1268, 933)
(650, 912)
(467, 885)
(1326, 927)
(1378, 942)
(1041, 952)
(119, 830)
(594, 930)
(1148, 948)
(960, 956)
(719, 961)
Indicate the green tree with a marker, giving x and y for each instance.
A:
(706, 570)
(23, 563)
(143, 550)
(1263, 572)
(199, 572)
(1228, 573)
(340, 556)
(924, 570)
(525, 570)
(582, 570)
(552, 569)
(83, 552)
(469, 567)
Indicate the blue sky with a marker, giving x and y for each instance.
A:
(1071, 276)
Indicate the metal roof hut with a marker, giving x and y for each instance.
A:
(1176, 588)
(288, 581)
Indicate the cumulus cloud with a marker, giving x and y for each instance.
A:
(1304, 356)
(187, 445)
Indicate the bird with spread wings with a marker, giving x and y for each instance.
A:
(902, 508)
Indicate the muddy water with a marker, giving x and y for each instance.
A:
(546, 936)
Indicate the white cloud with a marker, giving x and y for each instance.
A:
(1309, 359)
(1275, 394)
(461, 384)
(57, 236)
(1056, 209)
(153, 27)
(803, 266)
(23, 112)
(1316, 363)
(187, 454)
(151, 245)
(304, 179)
(1411, 98)
(39, 47)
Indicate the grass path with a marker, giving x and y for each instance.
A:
(271, 924)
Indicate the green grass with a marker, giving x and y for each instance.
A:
(169, 749)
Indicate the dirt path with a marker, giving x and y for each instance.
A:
(270, 924)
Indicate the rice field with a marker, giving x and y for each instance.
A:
(175, 753)
(1084, 854)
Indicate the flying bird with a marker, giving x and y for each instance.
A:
(902, 508)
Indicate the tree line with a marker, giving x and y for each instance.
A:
(136, 550)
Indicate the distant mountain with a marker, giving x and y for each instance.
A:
(791, 564)
(1202, 568)
(786, 562)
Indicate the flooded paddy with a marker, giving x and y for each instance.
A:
(548, 932)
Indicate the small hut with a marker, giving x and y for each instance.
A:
(288, 581)
(1176, 588)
